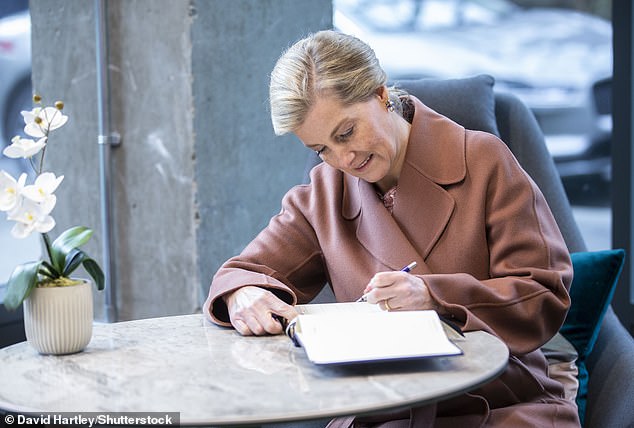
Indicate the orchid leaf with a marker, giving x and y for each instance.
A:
(73, 260)
(21, 282)
(66, 242)
(48, 270)
(93, 269)
(77, 257)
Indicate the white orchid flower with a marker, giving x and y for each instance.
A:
(10, 190)
(41, 191)
(24, 147)
(29, 217)
(40, 121)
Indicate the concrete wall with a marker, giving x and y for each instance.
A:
(199, 171)
(243, 170)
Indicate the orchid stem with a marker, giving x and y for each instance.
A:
(39, 171)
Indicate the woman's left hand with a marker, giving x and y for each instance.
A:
(399, 291)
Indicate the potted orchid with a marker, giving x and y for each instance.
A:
(40, 284)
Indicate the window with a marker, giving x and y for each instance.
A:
(15, 96)
(555, 57)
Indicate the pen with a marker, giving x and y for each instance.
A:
(407, 268)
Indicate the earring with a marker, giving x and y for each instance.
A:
(389, 104)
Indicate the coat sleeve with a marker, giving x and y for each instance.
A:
(285, 253)
(524, 299)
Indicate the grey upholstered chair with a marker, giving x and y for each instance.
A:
(473, 103)
(611, 363)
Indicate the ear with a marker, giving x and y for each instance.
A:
(382, 93)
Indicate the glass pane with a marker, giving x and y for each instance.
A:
(555, 55)
(15, 96)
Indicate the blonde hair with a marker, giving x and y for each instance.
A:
(324, 63)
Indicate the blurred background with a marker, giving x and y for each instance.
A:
(15, 96)
(556, 55)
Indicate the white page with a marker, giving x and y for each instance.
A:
(349, 332)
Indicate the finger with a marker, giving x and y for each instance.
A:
(258, 326)
(273, 320)
(241, 327)
(252, 307)
(283, 317)
(378, 295)
(271, 325)
(387, 305)
(254, 325)
(287, 312)
(392, 304)
(385, 279)
(370, 296)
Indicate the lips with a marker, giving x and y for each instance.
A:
(364, 163)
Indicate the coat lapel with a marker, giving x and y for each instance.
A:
(380, 234)
(423, 208)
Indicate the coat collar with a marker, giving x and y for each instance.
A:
(436, 147)
(435, 157)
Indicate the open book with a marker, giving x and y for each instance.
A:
(335, 333)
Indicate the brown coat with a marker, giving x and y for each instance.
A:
(486, 244)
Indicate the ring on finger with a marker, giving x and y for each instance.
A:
(387, 305)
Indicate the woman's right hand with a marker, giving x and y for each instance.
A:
(251, 311)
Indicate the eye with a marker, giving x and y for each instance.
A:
(320, 151)
(346, 135)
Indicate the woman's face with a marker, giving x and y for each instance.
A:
(365, 139)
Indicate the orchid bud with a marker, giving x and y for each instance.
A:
(59, 105)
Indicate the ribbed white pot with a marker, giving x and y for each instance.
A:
(58, 320)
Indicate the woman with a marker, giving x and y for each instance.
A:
(401, 183)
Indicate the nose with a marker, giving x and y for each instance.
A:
(344, 158)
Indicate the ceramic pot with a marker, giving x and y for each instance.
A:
(58, 320)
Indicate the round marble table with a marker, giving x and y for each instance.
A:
(212, 375)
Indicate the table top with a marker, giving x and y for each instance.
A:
(212, 375)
